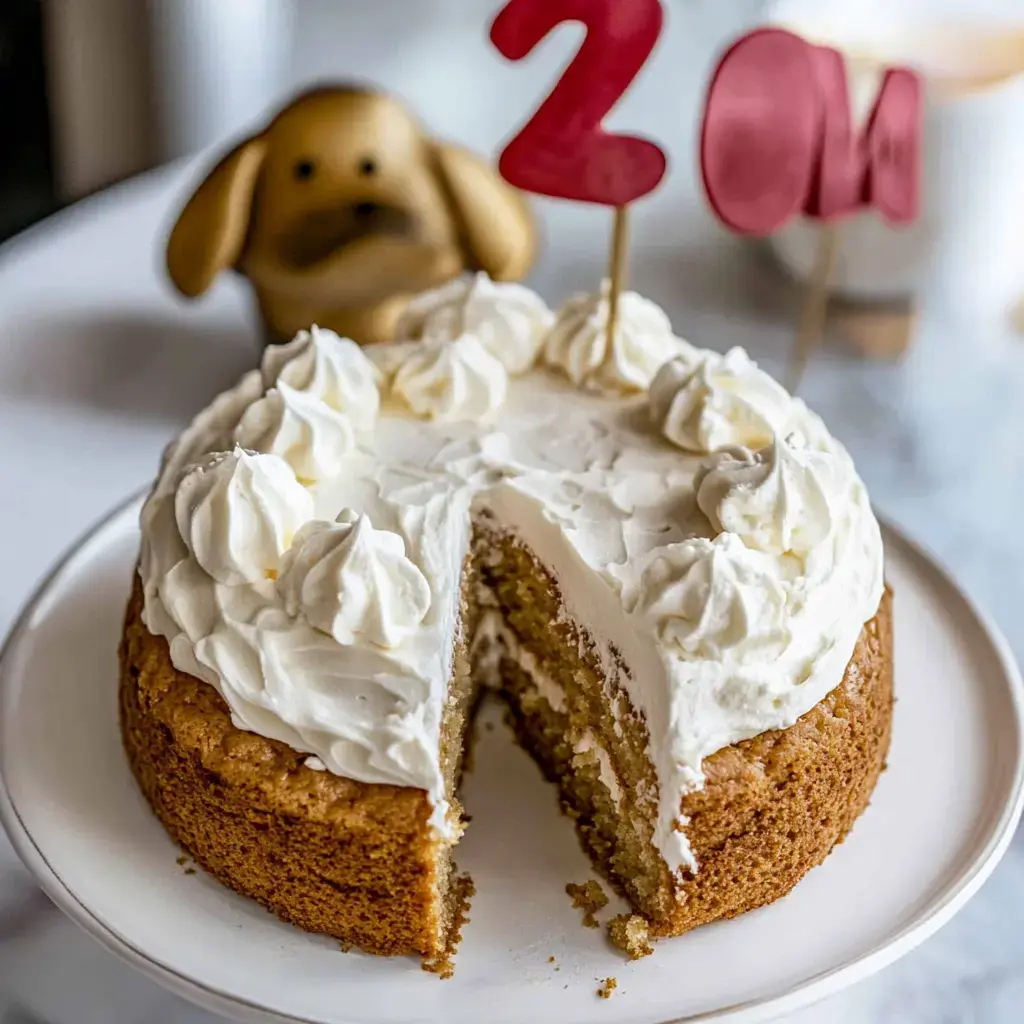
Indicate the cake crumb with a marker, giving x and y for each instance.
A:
(609, 986)
(190, 871)
(631, 934)
(444, 965)
(551, 959)
(588, 897)
(344, 946)
(181, 861)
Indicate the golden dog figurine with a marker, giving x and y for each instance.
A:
(340, 210)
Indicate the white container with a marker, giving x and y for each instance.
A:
(218, 67)
(968, 244)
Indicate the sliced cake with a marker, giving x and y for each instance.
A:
(661, 559)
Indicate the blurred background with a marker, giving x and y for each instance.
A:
(27, 189)
(95, 91)
(101, 363)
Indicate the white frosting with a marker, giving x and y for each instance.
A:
(785, 499)
(725, 593)
(362, 710)
(716, 600)
(237, 514)
(319, 364)
(705, 404)
(323, 400)
(446, 380)
(354, 582)
(643, 343)
(509, 320)
(303, 430)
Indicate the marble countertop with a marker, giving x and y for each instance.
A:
(100, 366)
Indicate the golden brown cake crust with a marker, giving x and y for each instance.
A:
(357, 861)
(352, 860)
(774, 806)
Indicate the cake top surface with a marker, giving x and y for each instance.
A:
(304, 544)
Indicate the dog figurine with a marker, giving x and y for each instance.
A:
(342, 208)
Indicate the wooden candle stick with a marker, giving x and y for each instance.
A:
(617, 267)
(1017, 317)
(814, 309)
(778, 141)
(563, 151)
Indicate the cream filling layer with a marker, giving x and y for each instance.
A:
(588, 743)
(501, 642)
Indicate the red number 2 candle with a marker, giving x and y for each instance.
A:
(563, 151)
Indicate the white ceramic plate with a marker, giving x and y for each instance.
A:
(941, 818)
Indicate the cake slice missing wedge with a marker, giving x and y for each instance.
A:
(771, 808)
(676, 584)
(361, 861)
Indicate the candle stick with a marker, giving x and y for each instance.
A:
(563, 151)
(1017, 316)
(815, 305)
(617, 271)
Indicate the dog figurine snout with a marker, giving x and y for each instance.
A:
(317, 236)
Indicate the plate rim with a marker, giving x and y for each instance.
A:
(801, 994)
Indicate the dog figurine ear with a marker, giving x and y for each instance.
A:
(210, 231)
(494, 220)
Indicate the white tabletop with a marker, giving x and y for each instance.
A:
(100, 365)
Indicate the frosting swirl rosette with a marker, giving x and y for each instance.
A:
(451, 380)
(643, 342)
(713, 401)
(237, 514)
(305, 431)
(353, 581)
(781, 499)
(510, 320)
(320, 365)
(715, 599)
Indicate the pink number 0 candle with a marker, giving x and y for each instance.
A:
(778, 140)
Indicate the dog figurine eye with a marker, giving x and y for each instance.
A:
(367, 166)
(305, 169)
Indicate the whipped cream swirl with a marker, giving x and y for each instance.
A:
(320, 365)
(782, 500)
(322, 399)
(715, 599)
(354, 582)
(302, 429)
(237, 514)
(705, 404)
(510, 320)
(451, 380)
(644, 341)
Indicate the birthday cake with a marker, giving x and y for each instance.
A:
(662, 561)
